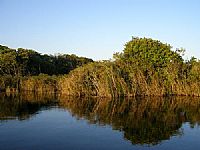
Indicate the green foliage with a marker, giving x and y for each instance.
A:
(41, 83)
(194, 70)
(23, 62)
(145, 67)
(8, 63)
(16, 65)
(149, 54)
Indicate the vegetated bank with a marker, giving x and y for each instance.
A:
(145, 67)
(27, 70)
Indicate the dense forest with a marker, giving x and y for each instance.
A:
(23, 64)
(144, 67)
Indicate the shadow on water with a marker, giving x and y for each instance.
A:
(148, 120)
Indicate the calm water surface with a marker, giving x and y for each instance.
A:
(46, 121)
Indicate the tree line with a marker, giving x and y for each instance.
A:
(15, 64)
(26, 62)
(145, 67)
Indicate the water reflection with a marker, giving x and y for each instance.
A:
(23, 106)
(141, 120)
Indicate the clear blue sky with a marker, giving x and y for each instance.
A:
(98, 28)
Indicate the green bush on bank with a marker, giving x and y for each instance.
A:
(145, 67)
(41, 83)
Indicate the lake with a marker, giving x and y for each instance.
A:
(49, 121)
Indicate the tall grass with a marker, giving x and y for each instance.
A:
(114, 80)
(42, 83)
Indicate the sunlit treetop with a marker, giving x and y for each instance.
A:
(150, 53)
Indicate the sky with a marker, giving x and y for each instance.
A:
(98, 28)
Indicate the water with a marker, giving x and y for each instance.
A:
(31, 121)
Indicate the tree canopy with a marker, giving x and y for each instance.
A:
(23, 62)
(148, 53)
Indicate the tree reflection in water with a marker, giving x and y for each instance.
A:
(25, 105)
(142, 120)
(148, 120)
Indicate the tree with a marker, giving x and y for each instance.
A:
(8, 63)
(147, 53)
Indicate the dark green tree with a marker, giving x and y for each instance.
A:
(147, 53)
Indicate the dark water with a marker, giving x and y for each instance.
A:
(31, 121)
